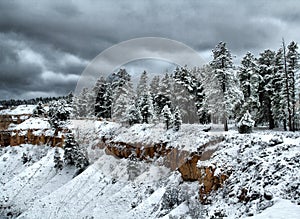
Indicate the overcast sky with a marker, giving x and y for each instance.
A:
(45, 45)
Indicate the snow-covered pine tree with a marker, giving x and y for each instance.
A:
(25, 158)
(193, 95)
(154, 86)
(85, 103)
(144, 100)
(132, 115)
(123, 96)
(71, 148)
(163, 97)
(142, 86)
(104, 98)
(58, 113)
(58, 162)
(224, 93)
(249, 82)
(265, 89)
(154, 91)
(246, 123)
(99, 90)
(167, 117)
(81, 159)
(292, 59)
(279, 104)
(177, 119)
(145, 106)
(39, 110)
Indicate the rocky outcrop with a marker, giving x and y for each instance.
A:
(175, 159)
(210, 181)
(6, 120)
(30, 136)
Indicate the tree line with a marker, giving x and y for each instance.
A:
(265, 86)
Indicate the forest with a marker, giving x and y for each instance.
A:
(266, 87)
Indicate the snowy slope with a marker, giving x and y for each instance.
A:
(265, 163)
(21, 109)
(32, 123)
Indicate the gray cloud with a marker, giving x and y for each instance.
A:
(56, 38)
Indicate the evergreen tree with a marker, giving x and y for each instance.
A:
(142, 86)
(71, 148)
(154, 86)
(145, 107)
(167, 116)
(58, 113)
(265, 89)
(278, 98)
(39, 111)
(177, 119)
(249, 82)
(58, 163)
(163, 96)
(144, 100)
(195, 94)
(224, 93)
(84, 103)
(81, 159)
(246, 123)
(99, 90)
(123, 96)
(132, 115)
(292, 59)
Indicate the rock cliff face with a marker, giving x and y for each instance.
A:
(183, 161)
(30, 136)
(6, 120)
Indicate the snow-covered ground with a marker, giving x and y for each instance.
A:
(19, 110)
(31, 123)
(264, 179)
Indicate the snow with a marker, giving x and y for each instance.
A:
(19, 110)
(282, 209)
(122, 188)
(32, 123)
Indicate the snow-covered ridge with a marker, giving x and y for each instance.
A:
(19, 110)
(32, 123)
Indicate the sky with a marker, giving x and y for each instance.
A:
(46, 45)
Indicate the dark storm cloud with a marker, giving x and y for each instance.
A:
(45, 44)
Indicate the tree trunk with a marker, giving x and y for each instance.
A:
(284, 125)
(225, 124)
(287, 88)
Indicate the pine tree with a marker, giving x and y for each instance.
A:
(84, 103)
(167, 116)
(265, 89)
(278, 98)
(81, 159)
(144, 100)
(70, 147)
(145, 107)
(194, 96)
(224, 93)
(163, 95)
(142, 86)
(154, 86)
(39, 111)
(123, 96)
(58, 163)
(132, 115)
(177, 119)
(246, 123)
(292, 59)
(58, 113)
(249, 82)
